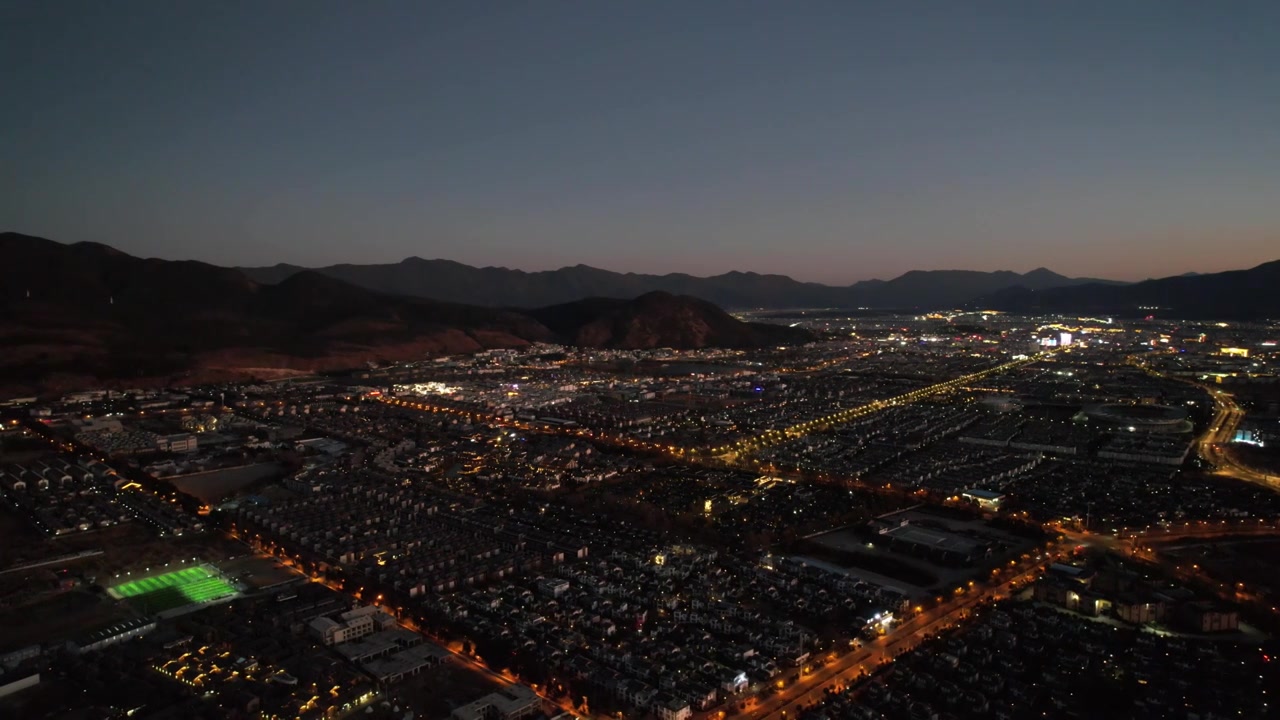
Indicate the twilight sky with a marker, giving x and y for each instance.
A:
(831, 141)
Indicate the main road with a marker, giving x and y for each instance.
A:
(1211, 445)
(810, 688)
(724, 454)
(769, 438)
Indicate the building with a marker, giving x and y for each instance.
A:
(117, 633)
(511, 703)
(1142, 418)
(177, 443)
(9, 686)
(406, 663)
(1069, 586)
(553, 587)
(937, 545)
(1065, 594)
(1207, 617)
(15, 658)
(669, 707)
(351, 625)
(985, 499)
(1138, 611)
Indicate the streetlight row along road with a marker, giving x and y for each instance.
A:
(775, 437)
(1227, 417)
(725, 453)
(850, 667)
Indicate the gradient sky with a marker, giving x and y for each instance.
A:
(831, 141)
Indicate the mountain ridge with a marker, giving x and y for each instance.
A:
(493, 286)
(84, 314)
(1244, 294)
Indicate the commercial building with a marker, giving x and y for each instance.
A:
(985, 499)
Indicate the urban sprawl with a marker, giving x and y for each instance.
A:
(919, 517)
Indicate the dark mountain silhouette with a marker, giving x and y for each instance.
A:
(659, 319)
(943, 288)
(1236, 294)
(78, 314)
(501, 287)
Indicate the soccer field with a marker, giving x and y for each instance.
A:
(175, 589)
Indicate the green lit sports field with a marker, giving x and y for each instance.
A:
(172, 590)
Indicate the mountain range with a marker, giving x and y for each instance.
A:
(501, 287)
(83, 314)
(1250, 294)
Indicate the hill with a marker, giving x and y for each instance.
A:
(85, 314)
(659, 319)
(1235, 294)
(501, 287)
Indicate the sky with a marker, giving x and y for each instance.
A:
(830, 141)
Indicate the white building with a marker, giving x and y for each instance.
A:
(117, 633)
(351, 625)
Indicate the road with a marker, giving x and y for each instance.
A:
(809, 688)
(724, 454)
(472, 662)
(730, 452)
(1204, 529)
(1212, 444)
